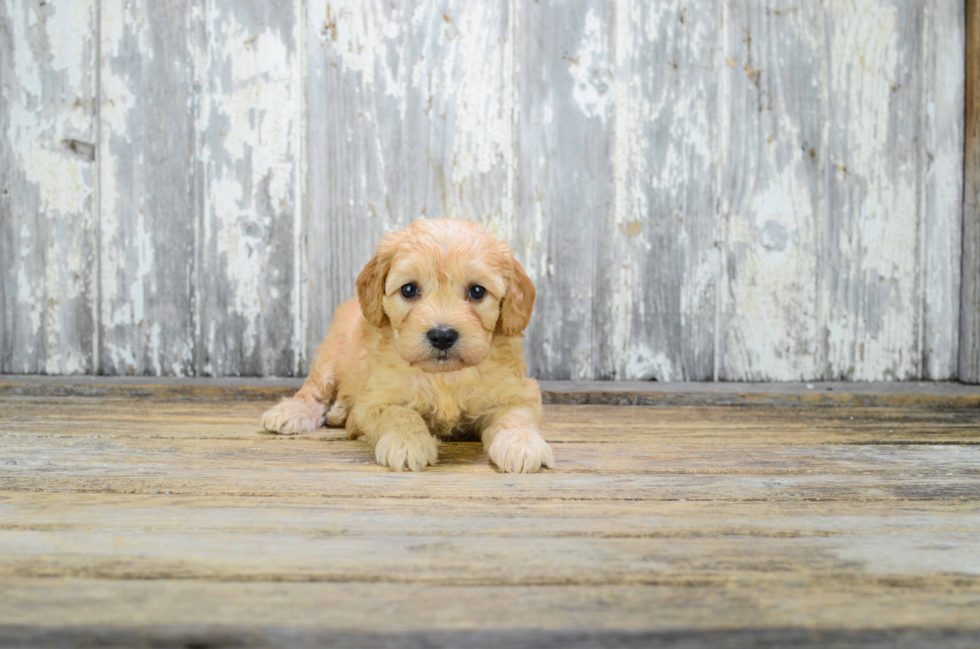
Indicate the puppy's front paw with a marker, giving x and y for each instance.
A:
(520, 450)
(412, 451)
(294, 416)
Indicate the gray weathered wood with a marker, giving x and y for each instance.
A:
(566, 93)
(47, 153)
(772, 123)
(872, 263)
(148, 196)
(411, 115)
(656, 274)
(941, 173)
(252, 128)
(969, 356)
(739, 191)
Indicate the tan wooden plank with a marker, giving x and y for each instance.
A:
(466, 560)
(59, 454)
(418, 541)
(704, 519)
(147, 474)
(56, 603)
(238, 420)
(449, 517)
(650, 393)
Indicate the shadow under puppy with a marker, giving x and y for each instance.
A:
(430, 348)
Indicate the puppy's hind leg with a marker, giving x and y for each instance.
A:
(337, 415)
(302, 413)
(307, 410)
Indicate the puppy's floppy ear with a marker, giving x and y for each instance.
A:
(371, 285)
(516, 307)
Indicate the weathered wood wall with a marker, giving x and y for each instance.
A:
(969, 368)
(737, 190)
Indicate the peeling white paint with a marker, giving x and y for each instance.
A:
(37, 134)
(590, 69)
(435, 128)
(883, 241)
(252, 115)
(46, 104)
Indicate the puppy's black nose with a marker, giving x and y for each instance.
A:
(442, 337)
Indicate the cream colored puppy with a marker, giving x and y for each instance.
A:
(431, 348)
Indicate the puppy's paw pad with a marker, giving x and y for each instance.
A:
(401, 451)
(516, 450)
(294, 416)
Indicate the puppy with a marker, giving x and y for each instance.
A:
(430, 349)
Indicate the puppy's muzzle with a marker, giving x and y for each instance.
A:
(442, 338)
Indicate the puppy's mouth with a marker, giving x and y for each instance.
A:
(440, 357)
(440, 361)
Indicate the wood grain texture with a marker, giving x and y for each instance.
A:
(566, 113)
(969, 356)
(621, 393)
(941, 164)
(148, 200)
(172, 522)
(411, 115)
(656, 293)
(175, 613)
(772, 186)
(739, 191)
(47, 178)
(251, 119)
(873, 263)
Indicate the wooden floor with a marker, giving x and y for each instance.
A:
(166, 518)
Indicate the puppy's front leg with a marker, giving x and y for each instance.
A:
(513, 442)
(401, 439)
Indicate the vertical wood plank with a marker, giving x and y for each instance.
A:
(872, 241)
(47, 157)
(771, 205)
(148, 200)
(410, 115)
(969, 356)
(251, 152)
(566, 177)
(657, 264)
(941, 172)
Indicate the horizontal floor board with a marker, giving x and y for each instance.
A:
(426, 517)
(208, 635)
(480, 486)
(383, 540)
(888, 394)
(593, 424)
(86, 603)
(55, 456)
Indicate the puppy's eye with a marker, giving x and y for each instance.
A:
(476, 292)
(410, 291)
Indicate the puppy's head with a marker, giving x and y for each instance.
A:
(445, 287)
